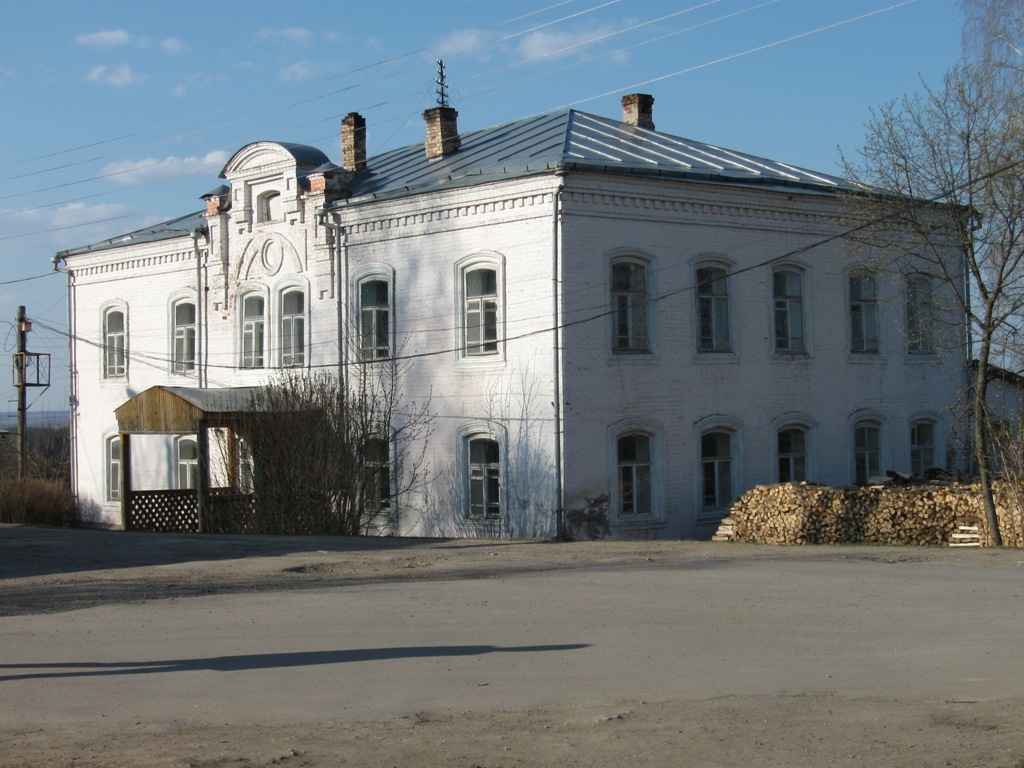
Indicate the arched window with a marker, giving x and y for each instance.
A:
(867, 451)
(920, 316)
(268, 207)
(863, 314)
(187, 458)
(377, 482)
(633, 456)
(481, 311)
(712, 310)
(716, 465)
(114, 344)
(374, 320)
(183, 358)
(792, 454)
(112, 453)
(293, 327)
(787, 293)
(484, 474)
(629, 307)
(253, 323)
(922, 446)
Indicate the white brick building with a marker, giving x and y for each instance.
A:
(617, 330)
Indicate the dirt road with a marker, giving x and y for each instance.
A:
(143, 650)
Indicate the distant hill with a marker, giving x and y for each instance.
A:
(51, 419)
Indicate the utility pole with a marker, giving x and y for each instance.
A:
(31, 369)
(24, 326)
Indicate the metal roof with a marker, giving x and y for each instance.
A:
(181, 226)
(568, 139)
(571, 139)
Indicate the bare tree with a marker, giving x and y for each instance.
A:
(320, 459)
(944, 198)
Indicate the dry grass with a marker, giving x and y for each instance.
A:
(36, 502)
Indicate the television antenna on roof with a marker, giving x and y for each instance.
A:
(442, 85)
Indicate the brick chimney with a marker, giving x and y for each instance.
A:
(442, 131)
(638, 110)
(353, 142)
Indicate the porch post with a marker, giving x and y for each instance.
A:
(125, 488)
(202, 454)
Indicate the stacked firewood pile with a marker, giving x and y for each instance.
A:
(929, 514)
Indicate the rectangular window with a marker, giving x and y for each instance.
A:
(481, 317)
(634, 461)
(863, 314)
(712, 310)
(293, 328)
(484, 478)
(866, 452)
(374, 320)
(114, 344)
(787, 290)
(184, 357)
(629, 307)
(252, 331)
(920, 316)
(792, 453)
(716, 461)
(922, 447)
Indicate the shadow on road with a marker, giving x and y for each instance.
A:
(256, 661)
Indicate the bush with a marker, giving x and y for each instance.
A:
(36, 502)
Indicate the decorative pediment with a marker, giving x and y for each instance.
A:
(269, 256)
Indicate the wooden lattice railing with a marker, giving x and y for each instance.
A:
(164, 511)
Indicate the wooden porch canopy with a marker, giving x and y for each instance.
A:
(177, 410)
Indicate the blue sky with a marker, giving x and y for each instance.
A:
(117, 114)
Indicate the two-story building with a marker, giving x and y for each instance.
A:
(617, 330)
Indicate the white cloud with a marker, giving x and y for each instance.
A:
(172, 45)
(543, 44)
(159, 169)
(463, 41)
(7, 73)
(179, 91)
(299, 71)
(108, 39)
(116, 76)
(291, 35)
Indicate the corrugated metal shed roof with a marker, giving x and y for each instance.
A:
(162, 409)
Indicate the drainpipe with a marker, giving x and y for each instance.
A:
(200, 325)
(331, 222)
(556, 280)
(72, 378)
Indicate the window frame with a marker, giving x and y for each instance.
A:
(863, 312)
(381, 348)
(190, 464)
(920, 316)
(653, 433)
(487, 472)
(269, 207)
(286, 323)
(246, 360)
(485, 359)
(786, 304)
(867, 419)
(187, 334)
(630, 307)
(113, 465)
(117, 369)
(915, 447)
(382, 503)
(709, 303)
(733, 427)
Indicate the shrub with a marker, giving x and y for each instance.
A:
(36, 502)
